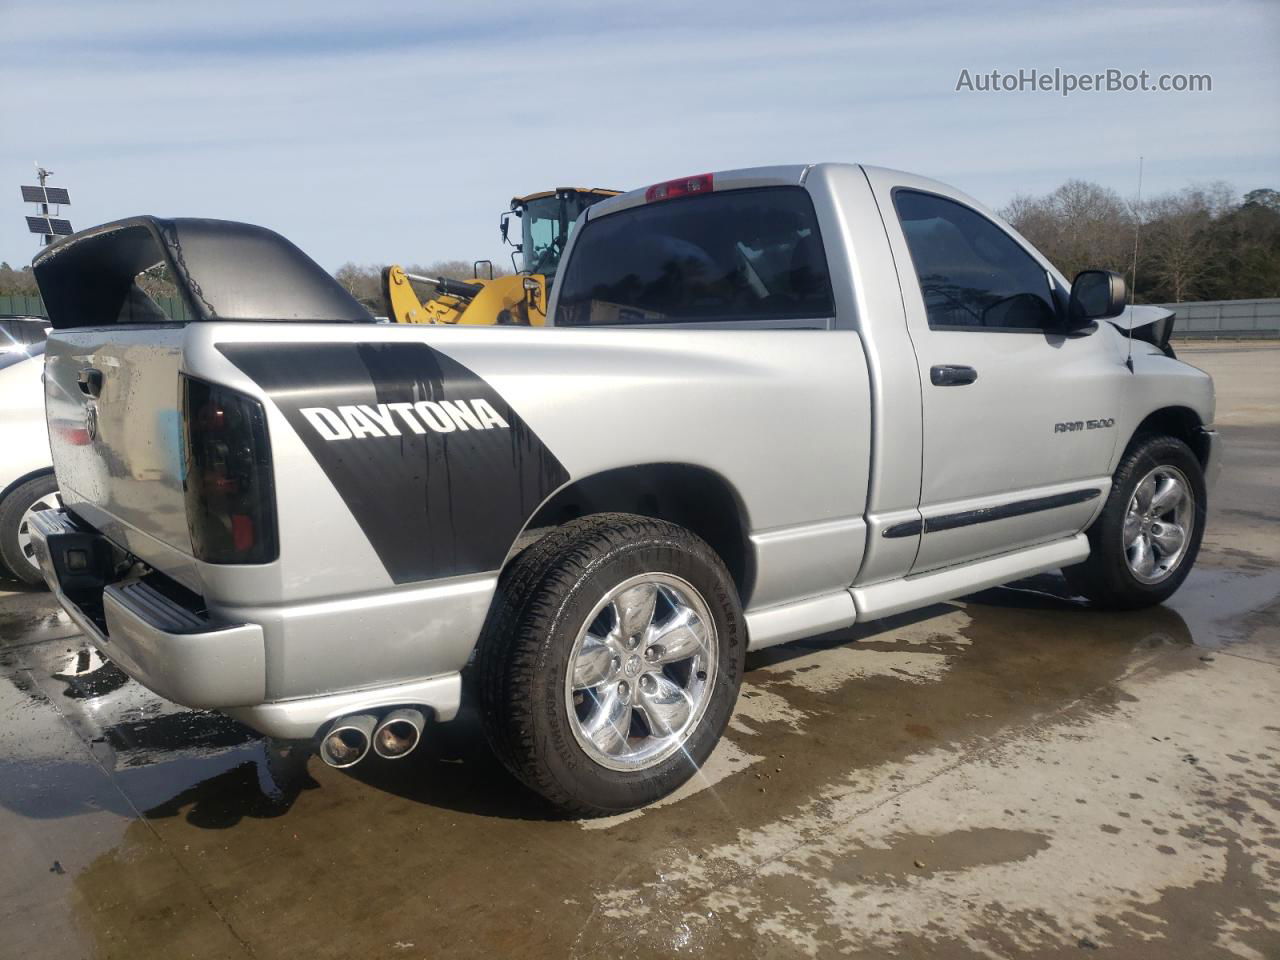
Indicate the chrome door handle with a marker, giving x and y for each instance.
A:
(951, 375)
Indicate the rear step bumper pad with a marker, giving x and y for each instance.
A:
(207, 667)
(183, 657)
(170, 650)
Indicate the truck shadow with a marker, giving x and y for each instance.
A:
(263, 786)
(1031, 644)
(1032, 634)
(454, 769)
(998, 645)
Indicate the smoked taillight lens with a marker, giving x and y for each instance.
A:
(227, 477)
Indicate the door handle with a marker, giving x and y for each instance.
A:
(90, 381)
(951, 375)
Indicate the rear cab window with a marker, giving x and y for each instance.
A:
(734, 255)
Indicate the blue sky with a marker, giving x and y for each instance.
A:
(384, 132)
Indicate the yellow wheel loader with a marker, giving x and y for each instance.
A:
(546, 219)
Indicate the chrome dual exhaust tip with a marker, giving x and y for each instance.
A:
(398, 733)
(391, 737)
(348, 740)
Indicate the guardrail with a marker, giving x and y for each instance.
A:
(20, 305)
(1226, 319)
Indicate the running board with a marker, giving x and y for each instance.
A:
(910, 593)
(803, 618)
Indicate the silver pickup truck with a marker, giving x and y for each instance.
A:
(770, 403)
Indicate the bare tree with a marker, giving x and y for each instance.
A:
(1033, 217)
(1078, 226)
(1263, 197)
(1179, 239)
(1244, 257)
(362, 282)
(17, 282)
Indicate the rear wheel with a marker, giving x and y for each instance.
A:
(611, 662)
(1144, 542)
(16, 511)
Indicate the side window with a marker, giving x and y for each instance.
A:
(973, 275)
(735, 255)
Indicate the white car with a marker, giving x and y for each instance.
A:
(26, 466)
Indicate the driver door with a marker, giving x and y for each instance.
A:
(1017, 417)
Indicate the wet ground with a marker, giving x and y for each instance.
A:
(1009, 775)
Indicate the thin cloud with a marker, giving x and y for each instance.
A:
(364, 136)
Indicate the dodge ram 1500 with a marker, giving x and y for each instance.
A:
(769, 403)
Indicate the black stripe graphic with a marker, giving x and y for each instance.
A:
(432, 504)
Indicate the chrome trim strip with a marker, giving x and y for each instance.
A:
(1004, 511)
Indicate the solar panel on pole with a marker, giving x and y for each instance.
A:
(42, 196)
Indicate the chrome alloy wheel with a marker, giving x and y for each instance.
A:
(641, 672)
(1158, 524)
(47, 502)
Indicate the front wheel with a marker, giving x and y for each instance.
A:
(1144, 542)
(611, 662)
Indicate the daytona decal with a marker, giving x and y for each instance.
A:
(440, 473)
(350, 421)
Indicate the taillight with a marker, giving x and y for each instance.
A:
(229, 487)
(679, 188)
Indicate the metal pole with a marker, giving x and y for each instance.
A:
(43, 174)
(1137, 230)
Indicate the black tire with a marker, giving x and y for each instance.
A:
(543, 600)
(1105, 578)
(12, 509)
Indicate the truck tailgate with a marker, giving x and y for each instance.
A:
(125, 457)
(118, 454)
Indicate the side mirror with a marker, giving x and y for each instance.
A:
(1095, 295)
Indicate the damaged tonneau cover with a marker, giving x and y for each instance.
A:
(223, 270)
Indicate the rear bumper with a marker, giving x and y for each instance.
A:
(303, 718)
(184, 656)
(167, 648)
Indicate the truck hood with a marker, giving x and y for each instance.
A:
(1150, 323)
(1140, 315)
